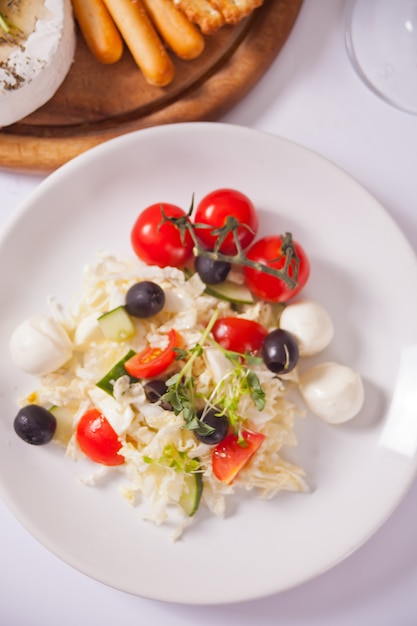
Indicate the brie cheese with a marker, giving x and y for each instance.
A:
(35, 55)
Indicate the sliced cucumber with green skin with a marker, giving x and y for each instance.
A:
(118, 370)
(191, 495)
(116, 324)
(64, 424)
(231, 292)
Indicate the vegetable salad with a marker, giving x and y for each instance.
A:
(162, 457)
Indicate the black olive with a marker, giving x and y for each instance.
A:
(35, 425)
(210, 271)
(145, 299)
(280, 351)
(220, 423)
(154, 390)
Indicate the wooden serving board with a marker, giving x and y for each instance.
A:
(98, 102)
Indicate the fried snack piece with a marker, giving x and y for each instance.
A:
(235, 10)
(202, 13)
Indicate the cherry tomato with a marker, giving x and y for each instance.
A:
(152, 361)
(239, 335)
(229, 456)
(158, 244)
(268, 287)
(98, 440)
(213, 211)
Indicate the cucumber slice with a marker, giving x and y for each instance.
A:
(116, 324)
(231, 292)
(191, 495)
(118, 370)
(64, 424)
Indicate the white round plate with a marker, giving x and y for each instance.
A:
(363, 272)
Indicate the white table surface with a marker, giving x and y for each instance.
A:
(312, 96)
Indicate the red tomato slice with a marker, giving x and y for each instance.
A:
(98, 440)
(152, 361)
(239, 335)
(271, 288)
(229, 457)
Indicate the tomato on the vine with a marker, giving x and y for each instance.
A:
(268, 251)
(152, 361)
(98, 440)
(160, 244)
(239, 335)
(213, 211)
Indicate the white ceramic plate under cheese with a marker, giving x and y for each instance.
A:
(363, 272)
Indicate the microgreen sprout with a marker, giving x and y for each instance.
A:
(180, 387)
(238, 382)
(177, 460)
(225, 398)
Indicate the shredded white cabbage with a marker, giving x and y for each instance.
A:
(155, 444)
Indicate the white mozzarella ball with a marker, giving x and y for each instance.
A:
(40, 345)
(333, 392)
(311, 325)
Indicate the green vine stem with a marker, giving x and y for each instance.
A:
(291, 260)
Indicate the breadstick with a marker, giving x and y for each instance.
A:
(99, 30)
(142, 40)
(175, 28)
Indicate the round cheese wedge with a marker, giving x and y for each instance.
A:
(37, 44)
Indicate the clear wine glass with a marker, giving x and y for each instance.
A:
(381, 38)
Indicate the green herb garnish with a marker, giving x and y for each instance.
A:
(226, 396)
(238, 382)
(181, 392)
(175, 459)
